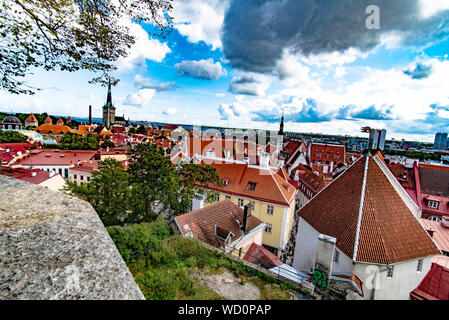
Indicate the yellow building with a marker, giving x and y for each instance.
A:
(273, 198)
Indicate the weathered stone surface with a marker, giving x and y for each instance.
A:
(53, 246)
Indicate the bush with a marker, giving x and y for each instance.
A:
(135, 240)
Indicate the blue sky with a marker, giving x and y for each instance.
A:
(229, 63)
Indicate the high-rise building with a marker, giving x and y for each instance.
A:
(440, 141)
(108, 110)
(377, 139)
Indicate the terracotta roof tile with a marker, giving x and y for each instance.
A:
(222, 214)
(388, 232)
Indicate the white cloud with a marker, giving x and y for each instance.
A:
(144, 48)
(253, 84)
(291, 71)
(140, 98)
(432, 7)
(202, 69)
(200, 20)
(169, 112)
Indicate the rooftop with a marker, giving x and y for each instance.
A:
(367, 214)
(218, 218)
(56, 157)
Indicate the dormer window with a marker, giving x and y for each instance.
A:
(433, 204)
(226, 181)
(252, 186)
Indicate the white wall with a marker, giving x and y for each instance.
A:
(306, 249)
(405, 279)
(56, 183)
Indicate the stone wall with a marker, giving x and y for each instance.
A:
(53, 246)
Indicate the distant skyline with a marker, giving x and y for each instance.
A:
(314, 60)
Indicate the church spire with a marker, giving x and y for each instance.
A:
(281, 128)
(109, 98)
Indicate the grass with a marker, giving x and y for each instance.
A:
(163, 265)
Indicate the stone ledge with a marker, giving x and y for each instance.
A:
(54, 246)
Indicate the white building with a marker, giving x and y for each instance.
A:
(379, 239)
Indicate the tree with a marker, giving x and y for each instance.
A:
(107, 143)
(154, 181)
(11, 136)
(71, 35)
(108, 192)
(73, 141)
(194, 180)
(141, 130)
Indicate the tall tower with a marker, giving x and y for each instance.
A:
(108, 110)
(281, 134)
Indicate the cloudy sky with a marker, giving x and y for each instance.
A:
(243, 63)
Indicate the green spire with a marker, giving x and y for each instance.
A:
(109, 98)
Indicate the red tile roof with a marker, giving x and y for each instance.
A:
(259, 255)
(9, 151)
(270, 187)
(35, 176)
(31, 118)
(54, 129)
(435, 286)
(440, 233)
(223, 215)
(380, 230)
(48, 157)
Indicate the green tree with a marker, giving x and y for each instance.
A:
(107, 143)
(154, 181)
(141, 130)
(108, 192)
(73, 141)
(70, 35)
(12, 136)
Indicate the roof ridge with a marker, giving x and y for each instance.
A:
(359, 219)
(274, 179)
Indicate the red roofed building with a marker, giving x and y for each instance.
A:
(223, 225)
(11, 152)
(48, 120)
(60, 122)
(375, 223)
(59, 161)
(324, 158)
(50, 180)
(258, 255)
(435, 286)
(270, 192)
(309, 184)
(31, 121)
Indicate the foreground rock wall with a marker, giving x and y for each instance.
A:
(53, 246)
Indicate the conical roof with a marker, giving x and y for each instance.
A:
(372, 220)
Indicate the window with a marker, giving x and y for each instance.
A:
(270, 210)
(268, 228)
(228, 197)
(251, 186)
(389, 272)
(337, 256)
(217, 198)
(419, 267)
(240, 202)
(82, 178)
(88, 178)
(226, 181)
(75, 177)
(253, 205)
(433, 204)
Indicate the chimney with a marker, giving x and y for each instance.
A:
(247, 218)
(90, 114)
(323, 264)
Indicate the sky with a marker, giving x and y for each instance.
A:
(242, 63)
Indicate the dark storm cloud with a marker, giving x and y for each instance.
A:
(256, 32)
(247, 84)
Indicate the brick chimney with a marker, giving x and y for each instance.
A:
(247, 218)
